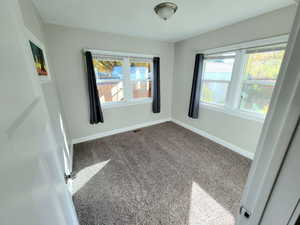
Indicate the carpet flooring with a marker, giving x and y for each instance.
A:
(159, 175)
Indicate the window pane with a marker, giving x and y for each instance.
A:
(140, 70)
(140, 75)
(259, 80)
(141, 89)
(106, 69)
(214, 92)
(216, 78)
(264, 65)
(256, 98)
(218, 69)
(109, 80)
(110, 91)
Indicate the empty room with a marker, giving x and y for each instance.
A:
(146, 112)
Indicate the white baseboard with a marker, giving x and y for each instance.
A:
(220, 141)
(119, 130)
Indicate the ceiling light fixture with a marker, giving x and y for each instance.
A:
(165, 10)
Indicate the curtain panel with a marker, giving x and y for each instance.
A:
(156, 85)
(96, 115)
(196, 87)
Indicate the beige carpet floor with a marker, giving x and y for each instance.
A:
(159, 175)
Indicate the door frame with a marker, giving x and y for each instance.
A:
(277, 132)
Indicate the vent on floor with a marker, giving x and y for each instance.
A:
(138, 130)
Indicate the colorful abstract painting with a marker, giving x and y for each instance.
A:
(39, 60)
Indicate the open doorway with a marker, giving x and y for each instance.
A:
(166, 174)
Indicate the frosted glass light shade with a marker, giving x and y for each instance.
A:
(165, 10)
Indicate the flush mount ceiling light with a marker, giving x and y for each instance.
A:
(165, 10)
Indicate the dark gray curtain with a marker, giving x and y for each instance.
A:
(96, 115)
(196, 87)
(156, 85)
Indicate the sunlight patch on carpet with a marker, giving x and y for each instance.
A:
(84, 175)
(204, 209)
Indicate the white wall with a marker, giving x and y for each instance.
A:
(32, 19)
(34, 24)
(65, 46)
(240, 132)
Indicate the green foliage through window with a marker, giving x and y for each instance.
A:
(264, 65)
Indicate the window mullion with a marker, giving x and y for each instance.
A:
(243, 64)
(127, 82)
(235, 86)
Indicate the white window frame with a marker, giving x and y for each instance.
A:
(233, 97)
(127, 84)
(113, 80)
(218, 81)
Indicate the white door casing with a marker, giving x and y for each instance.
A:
(285, 196)
(277, 132)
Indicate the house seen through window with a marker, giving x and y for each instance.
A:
(140, 76)
(109, 78)
(123, 79)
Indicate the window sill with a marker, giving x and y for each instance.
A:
(234, 112)
(126, 103)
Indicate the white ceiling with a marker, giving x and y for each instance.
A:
(137, 18)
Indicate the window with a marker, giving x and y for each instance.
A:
(242, 81)
(109, 78)
(259, 80)
(140, 76)
(216, 79)
(123, 79)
